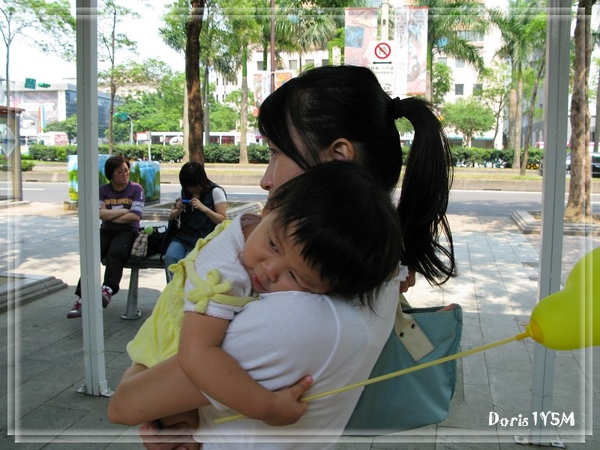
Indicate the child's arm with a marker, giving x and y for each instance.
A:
(217, 374)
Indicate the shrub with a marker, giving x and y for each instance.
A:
(61, 154)
(26, 165)
(258, 154)
(172, 153)
(41, 152)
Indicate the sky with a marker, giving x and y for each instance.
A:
(27, 62)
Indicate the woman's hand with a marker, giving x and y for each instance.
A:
(178, 206)
(197, 204)
(172, 438)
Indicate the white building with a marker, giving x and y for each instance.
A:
(465, 78)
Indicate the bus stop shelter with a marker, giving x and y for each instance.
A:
(559, 18)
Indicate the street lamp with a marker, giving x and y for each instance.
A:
(124, 116)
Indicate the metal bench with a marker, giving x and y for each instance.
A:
(153, 262)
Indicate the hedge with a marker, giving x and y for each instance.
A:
(163, 153)
(486, 157)
(214, 153)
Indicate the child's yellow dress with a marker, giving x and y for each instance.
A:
(158, 337)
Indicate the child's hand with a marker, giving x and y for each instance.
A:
(287, 407)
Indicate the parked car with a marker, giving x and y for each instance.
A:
(595, 164)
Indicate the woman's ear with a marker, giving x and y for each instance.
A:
(342, 150)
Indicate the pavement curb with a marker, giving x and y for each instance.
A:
(27, 288)
(530, 225)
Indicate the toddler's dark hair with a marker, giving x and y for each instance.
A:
(346, 225)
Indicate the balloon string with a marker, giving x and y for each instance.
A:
(398, 373)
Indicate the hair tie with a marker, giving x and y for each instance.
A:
(398, 110)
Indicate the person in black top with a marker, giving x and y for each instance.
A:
(200, 208)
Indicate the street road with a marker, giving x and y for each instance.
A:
(482, 203)
(59, 192)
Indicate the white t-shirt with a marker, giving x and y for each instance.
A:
(286, 335)
(224, 253)
(218, 195)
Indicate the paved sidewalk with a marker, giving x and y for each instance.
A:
(42, 358)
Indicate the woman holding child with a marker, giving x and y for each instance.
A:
(327, 113)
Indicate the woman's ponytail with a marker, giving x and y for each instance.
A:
(425, 192)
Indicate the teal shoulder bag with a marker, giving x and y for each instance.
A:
(419, 398)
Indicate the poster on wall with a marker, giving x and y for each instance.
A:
(416, 50)
(401, 63)
(360, 33)
(262, 85)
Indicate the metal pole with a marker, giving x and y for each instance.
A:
(149, 136)
(130, 129)
(553, 207)
(272, 46)
(385, 20)
(89, 234)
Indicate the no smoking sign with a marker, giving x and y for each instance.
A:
(383, 65)
(383, 51)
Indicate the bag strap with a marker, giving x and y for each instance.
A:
(411, 335)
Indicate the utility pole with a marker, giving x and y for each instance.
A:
(272, 46)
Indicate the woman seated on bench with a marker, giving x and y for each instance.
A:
(121, 207)
(200, 208)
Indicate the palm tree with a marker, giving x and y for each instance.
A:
(536, 32)
(517, 48)
(242, 20)
(448, 24)
(312, 29)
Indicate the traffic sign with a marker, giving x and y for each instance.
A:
(29, 83)
(121, 115)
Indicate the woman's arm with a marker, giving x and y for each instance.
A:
(127, 218)
(221, 377)
(110, 215)
(150, 394)
(217, 216)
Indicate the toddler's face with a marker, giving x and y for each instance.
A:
(274, 262)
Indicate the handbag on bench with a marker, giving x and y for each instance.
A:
(148, 242)
(419, 398)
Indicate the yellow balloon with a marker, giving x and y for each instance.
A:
(570, 319)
